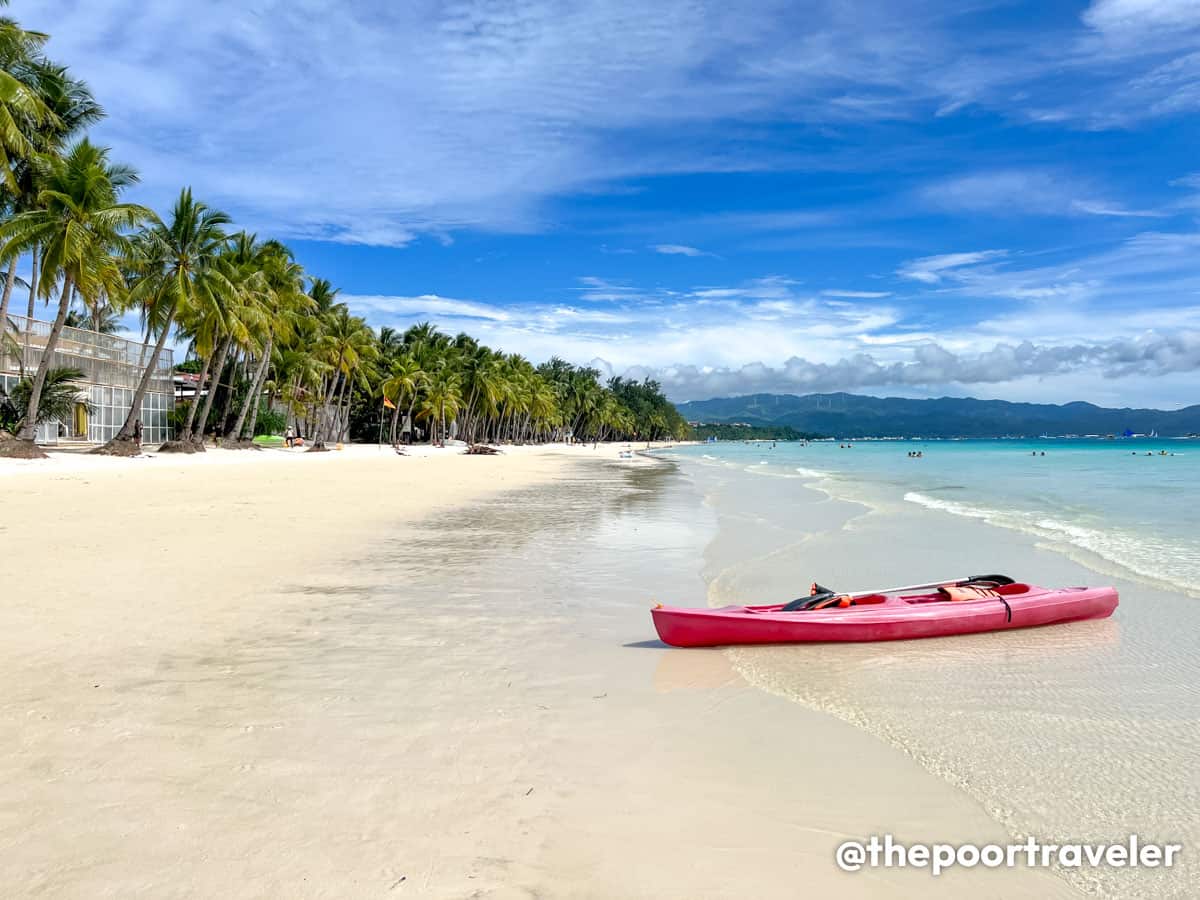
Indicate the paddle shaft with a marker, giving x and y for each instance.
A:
(911, 587)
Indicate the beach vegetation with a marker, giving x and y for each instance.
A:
(270, 421)
(61, 394)
(274, 347)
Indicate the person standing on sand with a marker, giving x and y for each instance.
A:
(137, 433)
(289, 436)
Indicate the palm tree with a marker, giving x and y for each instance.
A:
(73, 109)
(103, 320)
(60, 396)
(219, 326)
(283, 302)
(442, 398)
(405, 379)
(176, 265)
(21, 105)
(80, 225)
(324, 296)
(23, 109)
(391, 344)
(346, 344)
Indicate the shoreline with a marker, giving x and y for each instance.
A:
(431, 678)
(1038, 726)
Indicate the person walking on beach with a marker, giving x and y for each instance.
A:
(289, 436)
(137, 433)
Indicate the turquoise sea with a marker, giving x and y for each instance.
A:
(1131, 502)
(1088, 731)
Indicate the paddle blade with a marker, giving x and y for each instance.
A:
(992, 579)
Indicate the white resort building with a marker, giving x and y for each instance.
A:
(112, 366)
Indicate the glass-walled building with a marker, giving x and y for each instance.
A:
(112, 367)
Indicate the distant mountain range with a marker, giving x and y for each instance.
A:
(856, 416)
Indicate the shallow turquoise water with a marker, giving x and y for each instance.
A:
(1088, 731)
(1122, 500)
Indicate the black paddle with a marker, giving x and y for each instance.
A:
(823, 593)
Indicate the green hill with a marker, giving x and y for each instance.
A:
(857, 416)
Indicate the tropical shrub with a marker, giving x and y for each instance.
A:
(270, 421)
(60, 394)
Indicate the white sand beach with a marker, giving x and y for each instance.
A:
(356, 674)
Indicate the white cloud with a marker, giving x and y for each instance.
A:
(1151, 271)
(678, 250)
(1024, 192)
(429, 306)
(1150, 354)
(1017, 326)
(1140, 15)
(860, 295)
(379, 123)
(603, 290)
(931, 269)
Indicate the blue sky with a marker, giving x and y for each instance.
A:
(998, 199)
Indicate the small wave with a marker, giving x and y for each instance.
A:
(952, 506)
(811, 473)
(1146, 555)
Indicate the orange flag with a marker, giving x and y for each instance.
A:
(388, 404)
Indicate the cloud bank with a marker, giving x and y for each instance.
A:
(1131, 313)
(376, 123)
(1150, 354)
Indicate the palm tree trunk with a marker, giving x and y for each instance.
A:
(335, 425)
(289, 397)
(326, 394)
(251, 395)
(145, 345)
(395, 422)
(196, 430)
(33, 282)
(135, 409)
(253, 421)
(312, 415)
(469, 415)
(408, 415)
(319, 435)
(28, 429)
(256, 397)
(195, 404)
(228, 407)
(231, 429)
(338, 376)
(9, 280)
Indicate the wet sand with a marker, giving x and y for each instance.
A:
(374, 676)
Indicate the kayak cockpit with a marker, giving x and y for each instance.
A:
(876, 601)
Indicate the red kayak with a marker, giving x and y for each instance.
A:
(885, 617)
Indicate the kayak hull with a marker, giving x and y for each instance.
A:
(885, 618)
